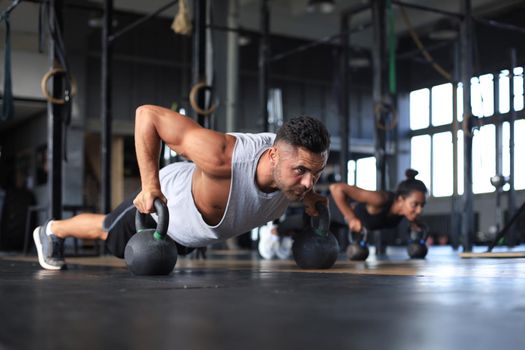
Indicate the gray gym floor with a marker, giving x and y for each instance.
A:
(235, 300)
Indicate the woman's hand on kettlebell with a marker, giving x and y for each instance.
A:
(418, 226)
(355, 225)
(144, 200)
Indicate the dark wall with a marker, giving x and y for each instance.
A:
(152, 65)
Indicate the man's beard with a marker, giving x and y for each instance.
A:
(295, 194)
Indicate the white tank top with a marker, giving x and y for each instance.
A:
(247, 206)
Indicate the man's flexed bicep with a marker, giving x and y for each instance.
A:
(208, 149)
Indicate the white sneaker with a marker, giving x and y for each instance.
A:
(50, 249)
(268, 242)
(284, 249)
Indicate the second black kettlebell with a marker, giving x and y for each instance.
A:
(316, 247)
(417, 247)
(358, 250)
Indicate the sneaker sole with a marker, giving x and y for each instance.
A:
(40, 251)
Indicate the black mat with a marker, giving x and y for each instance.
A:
(91, 307)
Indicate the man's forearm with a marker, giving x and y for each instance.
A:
(147, 147)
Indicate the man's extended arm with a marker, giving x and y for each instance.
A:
(208, 149)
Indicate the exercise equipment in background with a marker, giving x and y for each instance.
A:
(417, 247)
(358, 250)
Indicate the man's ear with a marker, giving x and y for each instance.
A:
(273, 154)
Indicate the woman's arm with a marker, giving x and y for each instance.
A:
(341, 192)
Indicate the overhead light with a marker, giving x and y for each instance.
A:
(244, 40)
(444, 30)
(443, 34)
(322, 6)
(97, 22)
(359, 62)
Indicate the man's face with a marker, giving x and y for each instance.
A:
(296, 170)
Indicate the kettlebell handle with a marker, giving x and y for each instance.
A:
(423, 229)
(163, 219)
(363, 234)
(324, 218)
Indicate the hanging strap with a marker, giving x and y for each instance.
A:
(8, 107)
(392, 83)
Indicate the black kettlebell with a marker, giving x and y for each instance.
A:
(358, 249)
(417, 248)
(316, 247)
(151, 251)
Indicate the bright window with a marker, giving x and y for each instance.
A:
(366, 173)
(351, 172)
(519, 154)
(442, 104)
(442, 164)
(505, 156)
(460, 101)
(504, 91)
(420, 157)
(482, 98)
(483, 159)
(461, 163)
(433, 156)
(419, 109)
(518, 88)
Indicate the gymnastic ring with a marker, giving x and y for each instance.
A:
(193, 99)
(381, 107)
(47, 95)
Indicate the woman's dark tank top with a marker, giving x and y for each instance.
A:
(381, 220)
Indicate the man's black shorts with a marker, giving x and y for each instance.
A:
(120, 226)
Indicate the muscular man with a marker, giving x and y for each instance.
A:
(234, 182)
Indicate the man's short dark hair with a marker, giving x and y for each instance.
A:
(305, 131)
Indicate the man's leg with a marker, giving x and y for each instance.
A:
(82, 226)
(115, 228)
(49, 238)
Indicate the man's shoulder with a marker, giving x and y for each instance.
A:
(250, 146)
(253, 135)
(263, 139)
